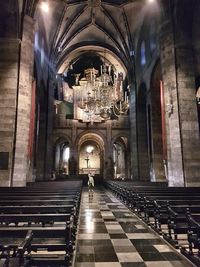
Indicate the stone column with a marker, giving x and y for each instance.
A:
(108, 153)
(109, 146)
(188, 116)
(180, 105)
(41, 139)
(49, 141)
(24, 104)
(9, 56)
(133, 139)
(156, 132)
(74, 157)
(143, 157)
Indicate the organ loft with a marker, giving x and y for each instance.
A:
(108, 88)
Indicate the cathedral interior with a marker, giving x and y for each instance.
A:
(109, 88)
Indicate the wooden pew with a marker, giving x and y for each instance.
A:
(36, 218)
(179, 224)
(12, 248)
(69, 208)
(45, 239)
(173, 212)
(50, 212)
(35, 202)
(158, 207)
(193, 235)
(58, 237)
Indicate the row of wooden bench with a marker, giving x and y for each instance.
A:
(38, 224)
(173, 212)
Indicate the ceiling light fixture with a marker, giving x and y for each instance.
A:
(101, 93)
(45, 7)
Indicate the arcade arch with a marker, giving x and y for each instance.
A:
(61, 156)
(90, 154)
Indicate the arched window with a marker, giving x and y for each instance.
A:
(143, 54)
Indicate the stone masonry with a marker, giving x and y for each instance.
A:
(180, 105)
(21, 163)
(9, 56)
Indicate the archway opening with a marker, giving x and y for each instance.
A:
(120, 158)
(61, 158)
(89, 158)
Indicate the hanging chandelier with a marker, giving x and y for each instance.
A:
(102, 96)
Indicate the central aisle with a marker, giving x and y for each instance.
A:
(109, 235)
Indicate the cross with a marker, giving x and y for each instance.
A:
(87, 161)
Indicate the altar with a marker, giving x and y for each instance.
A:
(89, 170)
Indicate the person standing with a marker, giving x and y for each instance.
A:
(90, 183)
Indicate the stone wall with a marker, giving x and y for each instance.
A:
(21, 162)
(75, 132)
(180, 105)
(9, 55)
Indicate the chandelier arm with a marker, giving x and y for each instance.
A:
(113, 108)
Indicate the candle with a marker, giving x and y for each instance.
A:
(101, 70)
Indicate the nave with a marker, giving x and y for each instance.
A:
(109, 234)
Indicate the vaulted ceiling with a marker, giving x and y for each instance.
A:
(106, 27)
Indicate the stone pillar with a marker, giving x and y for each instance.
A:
(188, 116)
(74, 156)
(107, 174)
(109, 146)
(156, 132)
(57, 158)
(143, 157)
(41, 145)
(9, 56)
(24, 104)
(133, 139)
(180, 105)
(49, 141)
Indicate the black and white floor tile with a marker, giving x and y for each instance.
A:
(110, 235)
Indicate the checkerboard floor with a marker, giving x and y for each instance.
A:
(110, 235)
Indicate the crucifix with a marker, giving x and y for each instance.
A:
(87, 161)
